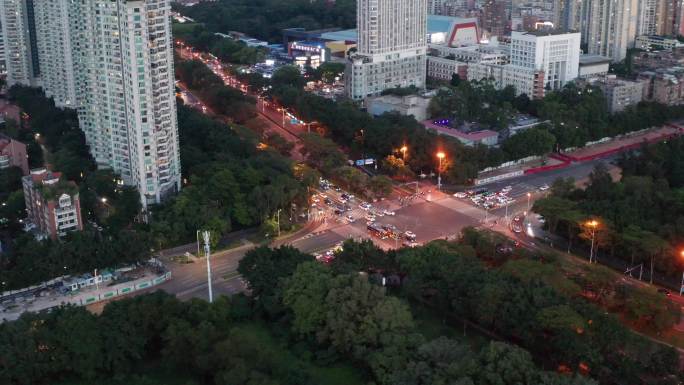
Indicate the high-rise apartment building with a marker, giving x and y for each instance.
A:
(16, 18)
(610, 27)
(495, 17)
(112, 61)
(391, 50)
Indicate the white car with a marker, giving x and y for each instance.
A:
(365, 206)
(507, 188)
(388, 212)
(370, 218)
(350, 218)
(544, 187)
(460, 195)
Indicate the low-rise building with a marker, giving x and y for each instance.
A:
(593, 66)
(468, 138)
(619, 93)
(442, 68)
(664, 86)
(526, 81)
(415, 105)
(52, 203)
(9, 111)
(13, 154)
(649, 42)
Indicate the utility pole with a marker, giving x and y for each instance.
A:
(278, 215)
(198, 244)
(207, 249)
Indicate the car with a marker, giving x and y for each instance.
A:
(544, 187)
(370, 217)
(350, 218)
(365, 206)
(345, 196)
(507, 188)
(460, 195)
(316, 200)
(665, 292)
(378, 213)
(338, 211)
(327, 201)
(323, 196)
(410, 235)
(388, 212)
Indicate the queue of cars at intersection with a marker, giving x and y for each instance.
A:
(349, 209)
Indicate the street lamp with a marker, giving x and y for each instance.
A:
(593, 224)
(403, 150)
(440, 156)
(529, 195)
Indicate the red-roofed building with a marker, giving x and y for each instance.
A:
(52, 204)
(13, 154)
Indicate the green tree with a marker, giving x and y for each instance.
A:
(263, 268)
(305, 294)
(533, 141)
(503, 364)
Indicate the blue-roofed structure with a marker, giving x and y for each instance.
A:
(454, 31)
(343, 35)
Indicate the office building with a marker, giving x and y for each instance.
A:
(112, 61)
(539, 61)
(52, 203)
(13, 154)
(610, 27)
(391, 47)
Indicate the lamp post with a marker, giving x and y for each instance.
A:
(206, 236)
(440, 156)
(681, 287)
(529, 195)
(403, 150)
(593, 224)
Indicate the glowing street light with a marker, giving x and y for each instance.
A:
(440, 156)
(593, 224)
(529, 195)
(403, 150)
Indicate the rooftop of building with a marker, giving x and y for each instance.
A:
(439, 23)
(593, 59)
(544, 32)
(50, 184)
(6, 140)
(473, 136)
(345, 35)
(435, 24)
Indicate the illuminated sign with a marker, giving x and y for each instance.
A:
(306, 48)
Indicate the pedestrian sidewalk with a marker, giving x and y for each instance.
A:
(50, 298)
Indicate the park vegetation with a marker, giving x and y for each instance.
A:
(230, 184)
(640, 216)
(366, 318)
(265, 19)
(224, 48)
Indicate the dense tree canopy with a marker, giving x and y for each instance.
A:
(265, 19)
